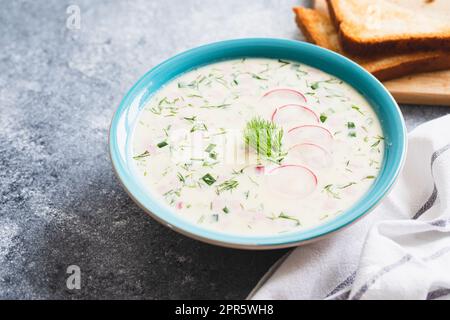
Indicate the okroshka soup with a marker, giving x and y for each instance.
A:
(257, 146)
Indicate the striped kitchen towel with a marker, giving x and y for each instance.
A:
(399, 251)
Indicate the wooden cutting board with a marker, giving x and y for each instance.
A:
(431, 88)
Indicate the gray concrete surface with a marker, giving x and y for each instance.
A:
(60, 203)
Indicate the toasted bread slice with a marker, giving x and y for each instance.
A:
(320, 5)
(319, 29)
(375, 26)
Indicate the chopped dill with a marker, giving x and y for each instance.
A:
(355, 107)
(227, 185)
(258, 77)
(283, 63)
(377, 142)
(190, 119)
(142, 155)
(181, 177)
(199, 127)
(330, 190)
(347, 185)
(210, 147)
(282, 215)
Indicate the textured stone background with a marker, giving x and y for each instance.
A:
(60, 203)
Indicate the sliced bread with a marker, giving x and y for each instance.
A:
(375, 26)
(319, 29)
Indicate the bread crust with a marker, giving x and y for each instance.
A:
(377, 45)
(319, 29)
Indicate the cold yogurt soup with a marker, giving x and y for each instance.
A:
(257, 146)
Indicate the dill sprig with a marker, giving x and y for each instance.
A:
(266, 138)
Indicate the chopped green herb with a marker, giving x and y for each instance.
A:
(241, 171)
(227, 185)
(199, 127)
(181, 177)
(347, 185)
(323, 117)
(215, 217)
(210, 147)
(162, 144)
(213, 155)
(191, 119)
(377, 142)
(209, 164)
(351, 125)
(283, 62)
(219, 106)
(282, 215)
(369, 177)
(166, 130)
(333, 80)
(208, 179)
(142, 155)
(258, 77)
(221, 131)
(330, 190)
(352, 134)
(315, 85)
(355, 107)
(226, 210)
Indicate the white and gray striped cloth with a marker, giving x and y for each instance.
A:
(399, 251)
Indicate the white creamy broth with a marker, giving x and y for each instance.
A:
(196, 146)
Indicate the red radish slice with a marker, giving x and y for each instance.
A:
(309, 154)
(292, 180)
(285, 94)
(260, 169)
(291, 115)
(309, 133)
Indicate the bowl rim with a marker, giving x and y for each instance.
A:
(165, 215)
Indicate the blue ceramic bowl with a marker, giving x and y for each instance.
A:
(382, 102)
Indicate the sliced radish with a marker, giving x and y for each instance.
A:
(291, 115)
(292, 180)
(260, 169)
(309, 154)
(309, 133)
(287, 95)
